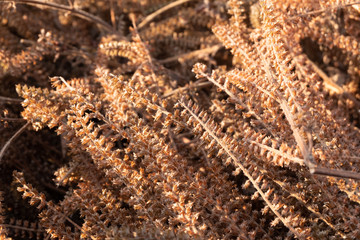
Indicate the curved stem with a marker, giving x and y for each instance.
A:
(80, 13)
(7, 144)
(150, 17)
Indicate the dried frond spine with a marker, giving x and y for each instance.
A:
(237, 163)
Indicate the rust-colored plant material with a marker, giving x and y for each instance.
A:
(187, 119)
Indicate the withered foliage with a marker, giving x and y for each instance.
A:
(208, 119)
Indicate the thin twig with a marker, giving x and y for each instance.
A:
(150, 17)
(112, 14)
(192, 54)
(7, 99)
(325, 9)
(197, 84)
(80, 13)
(22, 228)
(7, 144)
(12, 119)
(335, 173)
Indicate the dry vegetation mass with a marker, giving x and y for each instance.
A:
(187, 119)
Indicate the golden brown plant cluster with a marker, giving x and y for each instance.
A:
(187, 119)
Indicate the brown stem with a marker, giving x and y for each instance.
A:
(161, 10)
(81, 14)
(326, 9)
(335, 173)
(7, 144)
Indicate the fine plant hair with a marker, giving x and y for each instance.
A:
(179, 119)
